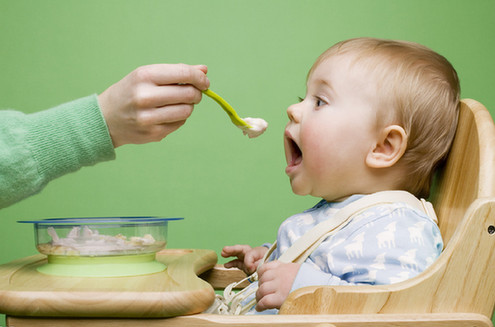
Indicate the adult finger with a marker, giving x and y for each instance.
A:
(159, 96)
(163, 116)
(171, 114)
(155, 133)
(166, 74)
(203, 68)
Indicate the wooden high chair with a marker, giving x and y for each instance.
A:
(457, 290)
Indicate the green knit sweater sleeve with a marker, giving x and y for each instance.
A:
(36, 148)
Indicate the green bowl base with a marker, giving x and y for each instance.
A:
(106, 266)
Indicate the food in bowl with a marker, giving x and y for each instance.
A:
(101, 236)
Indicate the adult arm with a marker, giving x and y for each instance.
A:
(145, 106)
(37, 148)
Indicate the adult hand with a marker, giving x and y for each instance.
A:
(152, 102)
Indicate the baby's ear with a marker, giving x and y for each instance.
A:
(391, 145)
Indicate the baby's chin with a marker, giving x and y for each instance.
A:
(299, 189)
(304, 190)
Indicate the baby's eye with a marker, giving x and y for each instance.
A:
(320, 102)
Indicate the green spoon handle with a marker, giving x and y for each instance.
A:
(234, 117)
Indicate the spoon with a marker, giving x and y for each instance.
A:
(252, 127)
(238, 121)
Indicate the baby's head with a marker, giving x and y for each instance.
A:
(403, 89)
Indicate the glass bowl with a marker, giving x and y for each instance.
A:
(109, 246)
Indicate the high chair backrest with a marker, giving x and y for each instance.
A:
(469, 172)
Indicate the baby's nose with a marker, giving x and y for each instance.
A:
(294, 113)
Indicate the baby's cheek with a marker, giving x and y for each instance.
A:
(319, 156)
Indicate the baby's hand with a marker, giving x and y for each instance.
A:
(275, 281)
(248, 258)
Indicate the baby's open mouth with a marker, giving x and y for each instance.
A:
(295, 154)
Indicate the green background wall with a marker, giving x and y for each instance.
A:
(229, 188)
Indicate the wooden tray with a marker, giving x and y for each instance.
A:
(176, 291)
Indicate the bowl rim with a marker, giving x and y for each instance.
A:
(99, 220)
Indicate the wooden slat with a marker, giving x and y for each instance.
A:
(220, 277)
(404, 320)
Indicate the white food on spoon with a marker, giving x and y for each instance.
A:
(258, 127)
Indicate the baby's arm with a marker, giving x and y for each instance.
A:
(248, 258)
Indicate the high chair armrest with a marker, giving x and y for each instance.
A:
(208, 320)
(336, 300)
(220, 277)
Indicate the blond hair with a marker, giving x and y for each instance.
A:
(420, 91)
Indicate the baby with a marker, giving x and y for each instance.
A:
(378, 115)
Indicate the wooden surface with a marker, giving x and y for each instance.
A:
(469, 173)
(220, 277)
(404, 320)
(175, 291)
